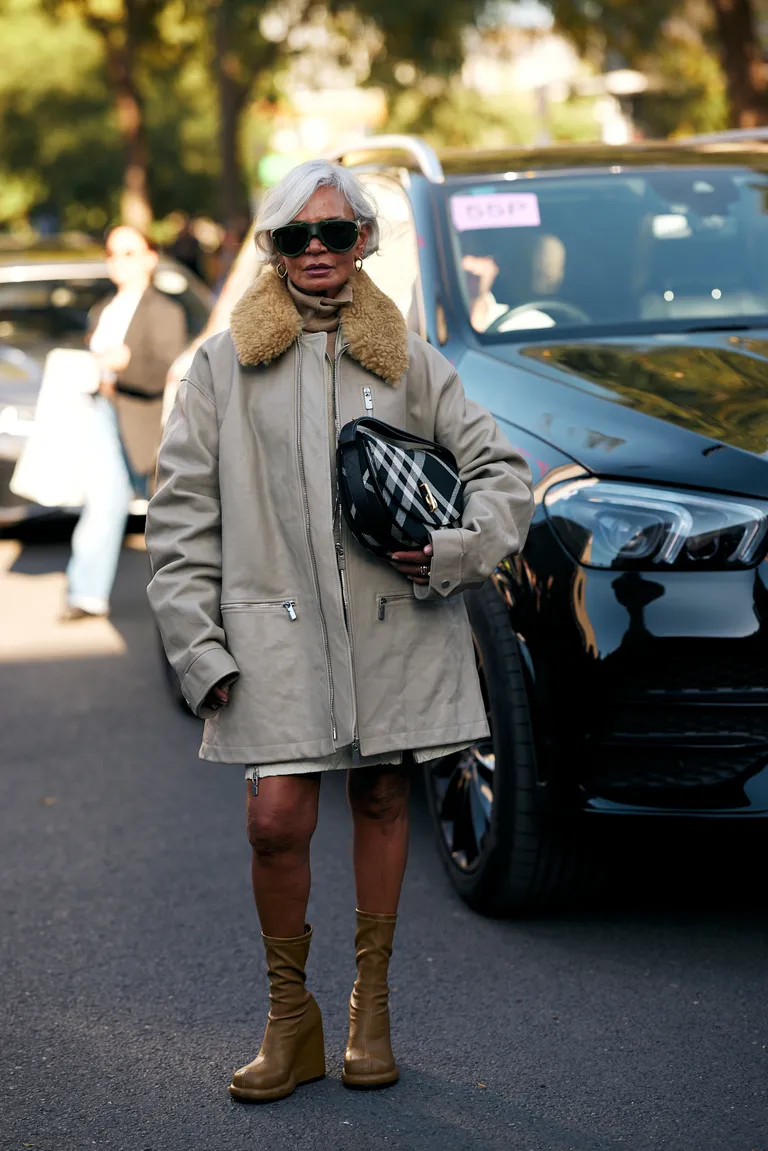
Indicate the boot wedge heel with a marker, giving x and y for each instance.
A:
(310, 1060)
(292, 1051)
(368, 1059)
(308, 1067)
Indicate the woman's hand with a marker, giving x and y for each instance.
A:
(217, 698)
(415, 565)
(485, 268)
(115, 359)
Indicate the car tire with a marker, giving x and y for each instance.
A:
(523, 859)
(172, 682)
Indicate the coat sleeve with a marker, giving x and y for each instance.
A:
(184, 542)
(498, 496)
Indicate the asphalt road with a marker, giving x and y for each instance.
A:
(132, 978)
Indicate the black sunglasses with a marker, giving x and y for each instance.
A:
(336, 235)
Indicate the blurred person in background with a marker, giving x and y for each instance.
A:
(134, 334)
(187, 249)
(228, 251)
(304, 652)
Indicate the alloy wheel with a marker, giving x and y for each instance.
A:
(462, 794)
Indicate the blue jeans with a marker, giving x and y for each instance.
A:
(98, 537)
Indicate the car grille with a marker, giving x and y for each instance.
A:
(733, 671)
(695, 727)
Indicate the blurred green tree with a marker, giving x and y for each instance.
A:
(61, 149)
(743, 60)
(128, 29)
(254, 43)
(55, 142)
(243, 61)
(677, 40)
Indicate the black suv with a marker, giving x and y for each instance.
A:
(610, 307)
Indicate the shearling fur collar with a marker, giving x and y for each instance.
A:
(265, 322)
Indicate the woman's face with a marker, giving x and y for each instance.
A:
(318, 269)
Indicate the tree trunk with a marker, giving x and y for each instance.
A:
(233, 197)
(135, 206)
(742, 59)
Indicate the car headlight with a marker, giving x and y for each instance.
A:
(608, 524)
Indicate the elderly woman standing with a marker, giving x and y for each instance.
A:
(249, 552)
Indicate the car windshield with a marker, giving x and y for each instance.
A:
(609, 252)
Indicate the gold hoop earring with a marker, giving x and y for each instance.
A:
(359, 264)
(282, 274)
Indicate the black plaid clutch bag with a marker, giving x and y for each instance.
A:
(395, 488)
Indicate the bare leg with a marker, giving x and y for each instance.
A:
(378, 797)
(281, 820)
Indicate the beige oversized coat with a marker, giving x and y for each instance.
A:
(240, 534)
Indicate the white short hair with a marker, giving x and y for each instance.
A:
(282, 203)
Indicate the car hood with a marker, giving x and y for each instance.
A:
(680, 409)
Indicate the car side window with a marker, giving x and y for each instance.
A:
(395, 267)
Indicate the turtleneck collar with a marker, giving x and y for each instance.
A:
(319, 313)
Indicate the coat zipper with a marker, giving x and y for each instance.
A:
(383, 600)
(312, 559)
(341, 560)
(264, 605)
(368, 399)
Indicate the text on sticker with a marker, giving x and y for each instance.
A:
(504, 210)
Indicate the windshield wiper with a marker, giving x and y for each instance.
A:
(741, 327)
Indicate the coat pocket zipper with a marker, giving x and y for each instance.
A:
(383, 600)
(288, 605)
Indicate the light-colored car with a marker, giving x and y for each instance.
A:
(46, 294)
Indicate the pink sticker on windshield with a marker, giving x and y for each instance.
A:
(502, 210)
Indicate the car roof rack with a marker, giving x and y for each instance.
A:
(375, 148)
(730, 136)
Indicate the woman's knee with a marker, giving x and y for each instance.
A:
(281, 819)
(379, 795)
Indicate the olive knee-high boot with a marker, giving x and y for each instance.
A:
(292, 1050)
(368, 1060)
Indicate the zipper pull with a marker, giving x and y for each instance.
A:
(340, 561)
(368, 399)
(382, 606)
(290, 607)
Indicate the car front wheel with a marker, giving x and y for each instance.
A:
(504, 855)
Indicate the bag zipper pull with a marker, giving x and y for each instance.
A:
(290, 607)
(368, 399)
(382, 606)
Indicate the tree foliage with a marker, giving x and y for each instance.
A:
(679, 42)
(126, 107)
(62, 151)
